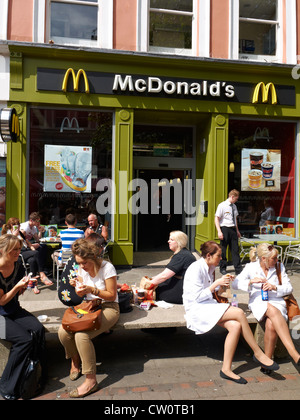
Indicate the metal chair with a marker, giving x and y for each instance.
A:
(58, 265)
(291, 251)
(245, 250)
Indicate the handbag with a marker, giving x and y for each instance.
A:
(290, 301)
(83, 317)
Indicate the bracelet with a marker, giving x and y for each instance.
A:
(96, 291)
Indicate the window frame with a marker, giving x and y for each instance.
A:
(104, 22)
(289, 56)
(200, 30)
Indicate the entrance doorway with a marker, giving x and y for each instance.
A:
(165, 192)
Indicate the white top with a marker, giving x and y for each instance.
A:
(224, 213)
(256, 304)
(202, 311)
(107, 270)
(29, 231)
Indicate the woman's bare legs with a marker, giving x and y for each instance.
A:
(270, 338)
(231, 342)
(281, 328)
(236, 314)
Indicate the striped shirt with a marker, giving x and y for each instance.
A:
(68, 236)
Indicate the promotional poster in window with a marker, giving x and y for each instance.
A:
(67, 169)
(261, 170)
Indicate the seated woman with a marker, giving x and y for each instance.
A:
(170, 281)
(66, 292)
(264, 271)
(203, 312)
(16, 323)
(28, 252)
(96, 279)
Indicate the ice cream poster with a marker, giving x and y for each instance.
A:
(67, 168)
(261, 170)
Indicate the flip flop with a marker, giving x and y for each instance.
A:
(46, 281)
(36, 291)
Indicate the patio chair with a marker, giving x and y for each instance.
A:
(291, 251)
(59, 265)
(244, 249)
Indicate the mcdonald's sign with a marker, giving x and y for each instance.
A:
(265, 91)
(76, 79)
(9, 125)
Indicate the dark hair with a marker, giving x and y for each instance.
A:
(209, 247)
(70, 219)
(97, 239)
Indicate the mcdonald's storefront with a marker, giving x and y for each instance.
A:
(105, 132)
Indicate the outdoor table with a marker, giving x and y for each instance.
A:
(275, 238)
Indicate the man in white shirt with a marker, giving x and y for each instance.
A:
(228, 232)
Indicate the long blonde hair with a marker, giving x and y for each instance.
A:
(263, 250)
(8, 242)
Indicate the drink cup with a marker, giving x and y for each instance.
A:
(267, 170)
(255, 177)
(256, 159)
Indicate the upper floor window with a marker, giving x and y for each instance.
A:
(81, 22)
(258, 29)
(172, 26)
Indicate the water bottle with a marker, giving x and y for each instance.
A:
(234, 301)
(264, 294)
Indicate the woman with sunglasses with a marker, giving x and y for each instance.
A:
(16, 324)
(203, 311)
(262, 275)
(96, 279)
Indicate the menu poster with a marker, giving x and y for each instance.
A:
(67, 168)
(261, 170)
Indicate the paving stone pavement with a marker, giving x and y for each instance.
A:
(175, 367)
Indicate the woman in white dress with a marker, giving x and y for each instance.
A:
(263, 271)
(203, 312)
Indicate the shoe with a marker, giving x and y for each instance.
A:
(274, 366)
(75, 375)
(241, 380)
(74, 392)
(266, 371)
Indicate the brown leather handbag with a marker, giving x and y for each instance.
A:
(290, 301)
(83, 317)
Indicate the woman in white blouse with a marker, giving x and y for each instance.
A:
(96, 279)
(263, 272)
(203, 312)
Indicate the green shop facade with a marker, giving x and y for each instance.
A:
(167, 138)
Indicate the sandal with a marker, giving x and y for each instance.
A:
(36, 290)
(46, 281)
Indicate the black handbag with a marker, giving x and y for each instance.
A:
(31, 379)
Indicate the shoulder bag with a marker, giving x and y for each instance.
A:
(290, 301)
(83, 317)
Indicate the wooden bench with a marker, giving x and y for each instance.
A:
(136, 319)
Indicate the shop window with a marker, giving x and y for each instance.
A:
(80, 22)
(70, 151)
(258, 29)
(154, 141)
(171, 25)
(262, 167)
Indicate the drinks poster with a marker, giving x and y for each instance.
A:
(261, 170)
(67, 169)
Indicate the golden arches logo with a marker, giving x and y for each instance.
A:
(15, 125)
(76, 79)
(265, 91)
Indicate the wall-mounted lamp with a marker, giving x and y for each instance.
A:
(231, 167)
(9, 125)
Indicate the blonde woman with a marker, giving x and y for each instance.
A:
(170, 280)
(16, 324)
(263, 273)
(203, 312)
(96, 279)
